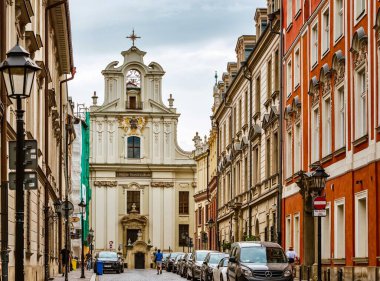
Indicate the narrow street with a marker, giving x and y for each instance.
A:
(141, 275)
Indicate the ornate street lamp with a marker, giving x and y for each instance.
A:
(210, 224)
(311, 185)
(18, 71)
(82, 206)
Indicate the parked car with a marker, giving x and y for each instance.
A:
(219, 273)
(184, 264)
(211, 261)
(164, 259)
(177, 261)
(111, 261)
(251, 261)
(195, 264)
(170, 260)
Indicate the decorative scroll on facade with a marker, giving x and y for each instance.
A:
(162, 184)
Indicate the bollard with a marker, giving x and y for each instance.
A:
(324, 275)
(328, 274)
(300, 274)
(308, 273)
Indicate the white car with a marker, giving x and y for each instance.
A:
(220, 272)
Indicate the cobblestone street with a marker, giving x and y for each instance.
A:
(141, 275)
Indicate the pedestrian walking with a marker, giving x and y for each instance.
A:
(65, 259)
(159, 258)
(292, 257)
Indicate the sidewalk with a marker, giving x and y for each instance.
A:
(75, 275)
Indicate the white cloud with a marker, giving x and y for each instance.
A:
(189, 39)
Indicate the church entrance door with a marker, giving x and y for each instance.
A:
(139, 260)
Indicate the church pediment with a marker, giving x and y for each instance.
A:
(159, 108)
(134, 221)
(109, 107)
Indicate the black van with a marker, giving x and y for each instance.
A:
(253, 261)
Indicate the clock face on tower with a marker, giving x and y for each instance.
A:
(133, 78)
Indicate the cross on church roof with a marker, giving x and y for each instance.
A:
(133, 37)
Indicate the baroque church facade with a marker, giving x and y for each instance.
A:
(142, 181)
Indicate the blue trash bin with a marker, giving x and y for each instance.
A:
(99, 268)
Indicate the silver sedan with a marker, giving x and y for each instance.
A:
(220, 272)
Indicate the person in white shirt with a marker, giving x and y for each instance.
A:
(292, 257)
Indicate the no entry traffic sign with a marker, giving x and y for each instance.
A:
(319, 203)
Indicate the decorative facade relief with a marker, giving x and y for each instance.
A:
(132, 125)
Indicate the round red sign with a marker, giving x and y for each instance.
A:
(319, 203)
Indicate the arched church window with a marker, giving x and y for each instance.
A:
(134, 147)
(133, 79)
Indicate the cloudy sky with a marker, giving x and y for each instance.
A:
(190, 39)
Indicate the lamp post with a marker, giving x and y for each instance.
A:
(90, 239)
(184, 237)
(18, 71)
(311, 185)
(210, 224)
(82, 205)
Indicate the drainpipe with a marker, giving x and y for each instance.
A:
(217, 188)
(248, 76)
(73, 70)
(46, 152)
(3, 152)
(281, 128)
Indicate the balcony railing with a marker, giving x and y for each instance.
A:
(134, 105)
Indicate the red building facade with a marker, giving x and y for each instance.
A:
(332, 118)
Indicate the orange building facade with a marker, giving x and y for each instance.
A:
(331, 103)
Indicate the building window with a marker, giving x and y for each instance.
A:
(340, 123)
(230, 128)
(289, 154)
(183, 232)
(239, 114)
(133, 198)
(325, 31)
(256, 166)
(246, 108)
(258, 94)
(268, 159)
(246, 171)
(326, 234)
(289, 78)
(276, 71)
(134, 147)
(359, 8)
(327, 126)
(269, 79)
(315, 135)
(361, 104)
(289, 12)
(314, 45)
(184, 202)
(339, 230)
(275, 153)
(297, 68)
(288, 232)
(297, 148)
(199, 215)
(361, 225)
(338, 20)
(296, 234)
